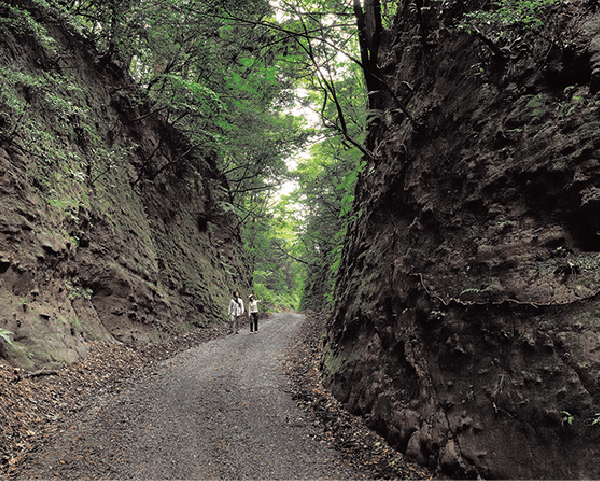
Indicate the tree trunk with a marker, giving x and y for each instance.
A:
(370, 29)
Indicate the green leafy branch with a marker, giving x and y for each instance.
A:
(476, 290)
(6, 336)
(523, 14)
(494, 26)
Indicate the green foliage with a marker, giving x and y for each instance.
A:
(39, 112)
(326, 185)
(76, 326)
(567, 417)
(25, 97)
(20, 22)
(507, 15)
(76, 291)
(6, 336)
(475, 290)
(275, 300)
(18, 116)
(214, 70)
(269, 239)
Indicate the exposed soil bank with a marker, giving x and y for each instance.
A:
(102, 234)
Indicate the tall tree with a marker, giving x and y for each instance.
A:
(225, 73)
(214, 77)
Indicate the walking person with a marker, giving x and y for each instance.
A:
(253, 311)
(236, 309)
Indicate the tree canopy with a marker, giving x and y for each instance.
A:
(227, 74)
(237, 78)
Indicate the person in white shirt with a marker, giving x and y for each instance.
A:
(253, 311)
(236, 309)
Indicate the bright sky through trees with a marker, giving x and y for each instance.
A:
(267, 93)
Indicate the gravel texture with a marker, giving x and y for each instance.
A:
(239, 406)
(217, 411)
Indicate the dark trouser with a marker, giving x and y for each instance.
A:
(254, 321)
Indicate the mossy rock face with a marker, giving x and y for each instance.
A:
(473, 270)
(91, 252)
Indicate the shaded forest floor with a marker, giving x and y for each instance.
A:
(34, 407)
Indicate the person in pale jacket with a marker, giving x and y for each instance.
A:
(253, 311)
(236, 309)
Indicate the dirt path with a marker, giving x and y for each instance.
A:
(218, 411)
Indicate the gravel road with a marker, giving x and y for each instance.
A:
(217, 411)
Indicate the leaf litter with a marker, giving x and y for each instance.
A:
(35, 407)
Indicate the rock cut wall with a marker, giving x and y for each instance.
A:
(111, 226)
(467, 323)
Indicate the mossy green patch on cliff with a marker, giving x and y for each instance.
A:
(536, 104)
(334, 359)
(101, 233)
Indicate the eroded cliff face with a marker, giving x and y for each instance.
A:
(111, 227)
(467, 325)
